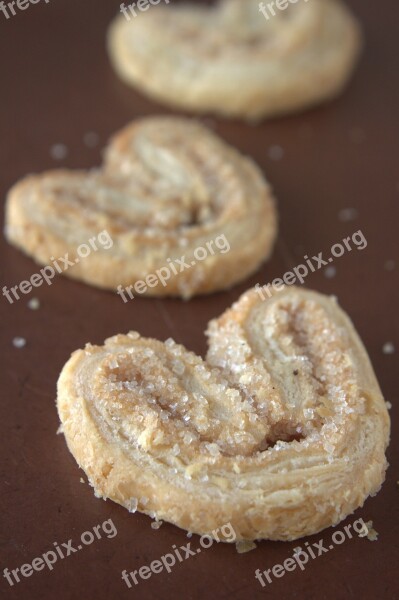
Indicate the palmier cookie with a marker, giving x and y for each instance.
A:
(280, 432)
(187, 213)
(233, 60)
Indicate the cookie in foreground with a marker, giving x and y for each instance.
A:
(280, 432)
(173, 199)
(233, 60)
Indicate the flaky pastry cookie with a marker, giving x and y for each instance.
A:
(281, 432)
(172, 196)
(232, 60)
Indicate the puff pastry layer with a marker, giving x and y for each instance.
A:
(230, 60)
(281, 432)
(168, 186)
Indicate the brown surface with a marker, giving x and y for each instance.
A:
(56, 84)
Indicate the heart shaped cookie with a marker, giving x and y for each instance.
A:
(170, 193)
(239, 58)
(280, 432)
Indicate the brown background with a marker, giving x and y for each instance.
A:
(56, 84)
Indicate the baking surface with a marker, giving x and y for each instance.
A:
(56, 86)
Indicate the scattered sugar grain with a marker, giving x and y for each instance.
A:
(330, 272)
(19, 342)
(34, 304)
(91, 139)
(388, 348)
(58, 151)
(389, 265)
(348, 214)
(275, 152)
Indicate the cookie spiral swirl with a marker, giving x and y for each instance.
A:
(280, 432)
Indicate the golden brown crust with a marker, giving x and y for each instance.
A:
(231, 60)
(168, 186)
(281, 431)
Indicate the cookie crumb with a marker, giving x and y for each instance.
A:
(82, 480)
(244, 546)
(156, 524)
(19, 342)
(372, 534)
